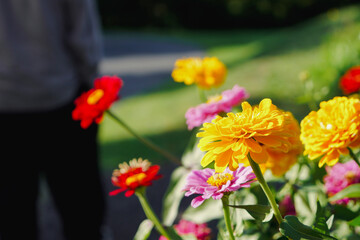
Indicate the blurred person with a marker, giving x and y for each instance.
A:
(49, 53)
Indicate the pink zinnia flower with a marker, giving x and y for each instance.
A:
(206, 112)
(208, 183)
(340, 176)
(200, 231)
(286, 206)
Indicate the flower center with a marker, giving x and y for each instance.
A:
(213, 99)
(95, 96)
(219, 179)
(135, 178)
(350, 175)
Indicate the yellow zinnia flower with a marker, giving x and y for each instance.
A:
(228, 140)
(331, 130)
(206, 73)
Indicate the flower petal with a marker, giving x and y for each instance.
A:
(117, 191)
(129, 193)
(197, 201)
(253, 145)
(207, 159)
(259, 157)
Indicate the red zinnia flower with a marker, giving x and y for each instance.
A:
(90, 106)
(137, 173)
(350, 82)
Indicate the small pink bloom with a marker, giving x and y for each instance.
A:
(340, 176)
(209, 184)
(286, 206)
(206, 112)
(200, 231)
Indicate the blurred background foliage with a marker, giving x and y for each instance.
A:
(211, 14)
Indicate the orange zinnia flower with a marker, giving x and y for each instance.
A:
(329, 132)
(138, 173)
(90, 106)
(279, 162)
(228, 140)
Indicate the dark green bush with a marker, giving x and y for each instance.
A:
(210, 14)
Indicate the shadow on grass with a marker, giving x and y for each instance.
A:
(114, 152)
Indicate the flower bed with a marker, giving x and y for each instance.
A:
(265, 167)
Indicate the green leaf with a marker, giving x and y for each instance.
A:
(292, 228)
(320, 220)
(256, 211)
(305, 205)
(237, 222)
(222, 234)
(173, 195)
(343, 213)
(207, 211)
(330, 221)
(188, 237)
(192, 156)
(144, 230)
(355, 221)
(352, 191)
(173, 234)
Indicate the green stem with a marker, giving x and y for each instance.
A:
(145, 141)
(140, 193)
(298, 172)
(225, 202)
(352, 154)
(265, 188)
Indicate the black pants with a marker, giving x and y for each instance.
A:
(53, 145)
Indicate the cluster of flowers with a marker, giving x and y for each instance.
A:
(263, 137)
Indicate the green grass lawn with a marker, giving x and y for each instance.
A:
(266, 62)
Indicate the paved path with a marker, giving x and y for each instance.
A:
(143, 62)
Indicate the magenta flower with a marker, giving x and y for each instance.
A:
(286, 206)
(209, 184)
(340, 176)
(206, 112)
(200, 231)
